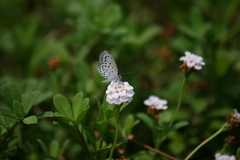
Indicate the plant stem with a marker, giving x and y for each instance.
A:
(116, 133)
(223, 128)
(225, 146)
(83, 141)
(153, 149)
(9, 132)
(100, 146)
(179, 102)
(156, 138)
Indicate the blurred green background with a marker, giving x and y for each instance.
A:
(53, 46)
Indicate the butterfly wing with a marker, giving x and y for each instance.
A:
(107, 67)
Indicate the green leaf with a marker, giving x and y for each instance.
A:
(110, 15)
(43, 97)
(67, 126)
(11, 93)
(148, 34)
(3, 124)
(18, 109)
(121, 141)
(110, 114)
(64, 146)
(142, 155)
(80, 107)
(101, 126)
(79, 68)
(30, 120)
(101, 116)
(63, 106)
(198, 105)
(105, 148)
(43, 146)
(196, 18)
(176, 142)
(81, 115)
(223, 63)
(181, 43)
(7, 122)
(123, 106)
(7, 112)
(179, 125)
(25, 32)
(48, 114)
(129, 123)
(11, 148)
(238, 152)
(28, 100)
(57, 114)
(90, 135)
(204, 30)
(146, 119)
(187, 31)
(102, 109)
(105, 110)
(54, 149)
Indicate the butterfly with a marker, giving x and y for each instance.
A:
(107, 67)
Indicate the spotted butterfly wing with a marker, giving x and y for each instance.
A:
(107, 67)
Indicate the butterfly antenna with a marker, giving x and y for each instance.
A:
(127, 73)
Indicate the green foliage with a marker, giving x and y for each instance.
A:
(63, 106)
(11, 93)
(49, 80)
(80, 107)
(238, 152)
(55, 151)
(128, 125)
(146, 119)
(19, 104)
(8, 112)
(76, 112)
(18, 107)
(30, 120)
(28, 100)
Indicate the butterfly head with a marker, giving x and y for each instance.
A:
(115, 79)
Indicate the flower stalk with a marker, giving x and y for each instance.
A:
(179, 101)
(83, 141)
(224, 127)
(9, 132)
(116, 133)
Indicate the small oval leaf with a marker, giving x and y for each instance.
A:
(30, 120)
(10, 93)
(63, 106)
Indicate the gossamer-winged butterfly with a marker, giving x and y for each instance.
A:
(107, 67)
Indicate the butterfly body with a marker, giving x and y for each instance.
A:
(107, 67)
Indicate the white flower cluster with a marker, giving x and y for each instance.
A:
(218, 156)
(237, 114)
(119, 92)
(155, 102)
(192, 60)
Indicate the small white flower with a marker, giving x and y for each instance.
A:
(218, 156)
(155, 102)
(237, 114)
(192, 60)
(119, 92)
